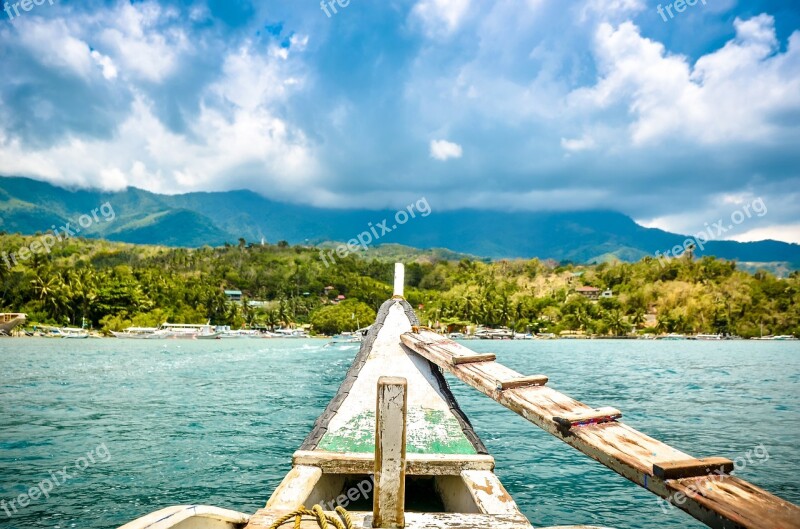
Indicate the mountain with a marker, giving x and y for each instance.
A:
(197, 219)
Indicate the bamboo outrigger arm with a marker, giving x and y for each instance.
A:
(703, 488)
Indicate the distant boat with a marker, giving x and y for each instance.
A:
(73, 333)
(9, 320)
(784, 337)
(345, 338)
(708, 337)
(186, 331)
(227, 333)
(673, 336)
(494, 334)
(290, 333)
(138, 333)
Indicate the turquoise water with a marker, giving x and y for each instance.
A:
(216, 422)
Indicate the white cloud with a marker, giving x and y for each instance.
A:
(440, 17)
(107, 65)
(134, 37)
(610, 9)
(578, 144)
(444, 150)
(731, 95)
(54, 45)
(787, 233)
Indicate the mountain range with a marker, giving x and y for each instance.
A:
(215, 218)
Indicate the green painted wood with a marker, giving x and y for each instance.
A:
(429, 432)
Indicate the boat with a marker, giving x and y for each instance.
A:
(186, 331)
(673, 336)
(346, 338)
(394, 449)
(227, 333)
(9, 320)
(784, 337)
(708, 337)
(494, 334)
(136, 333)
(73, 333)
(290, 333)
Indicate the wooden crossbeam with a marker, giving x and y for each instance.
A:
(691, 468)
(719, 501)
(416, 464)
(521, 382)
(587, 417)
(264, 518)
(456, 353)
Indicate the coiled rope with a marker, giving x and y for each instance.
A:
(319, 515)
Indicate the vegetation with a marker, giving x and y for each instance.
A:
(114, 285)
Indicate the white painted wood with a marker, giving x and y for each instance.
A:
(190, 517)
(295, 488)
(489, 494)
(416, 464)
(414, 520)
(455, 495)
(390, 453)
(388, 357)
(399, 279)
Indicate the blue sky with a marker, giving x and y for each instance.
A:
(526, 104)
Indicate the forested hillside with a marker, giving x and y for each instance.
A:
(114, 285)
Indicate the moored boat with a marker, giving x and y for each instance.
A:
(494, 334)
(394, 449)
(290, 333)
(707, 337)
(136, 333)
(186, 331)
(74, 333)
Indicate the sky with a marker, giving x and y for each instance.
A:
(676, 118)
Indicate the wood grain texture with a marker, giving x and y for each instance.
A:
(390, 453)
(295, 488)
(521, 382)
(727, 502)
(414, 520)
(690, 468)
(416, 464)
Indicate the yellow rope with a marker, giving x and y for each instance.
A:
(317, 513)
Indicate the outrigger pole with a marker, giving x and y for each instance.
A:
(704, 488)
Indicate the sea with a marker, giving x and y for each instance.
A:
(121, 428)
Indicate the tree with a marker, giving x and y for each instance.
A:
(345, 316)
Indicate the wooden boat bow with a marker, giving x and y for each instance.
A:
(395, 418)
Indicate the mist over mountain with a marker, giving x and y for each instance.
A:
(214, 218)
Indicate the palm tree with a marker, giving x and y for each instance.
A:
(616, 322)
(638, 318)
